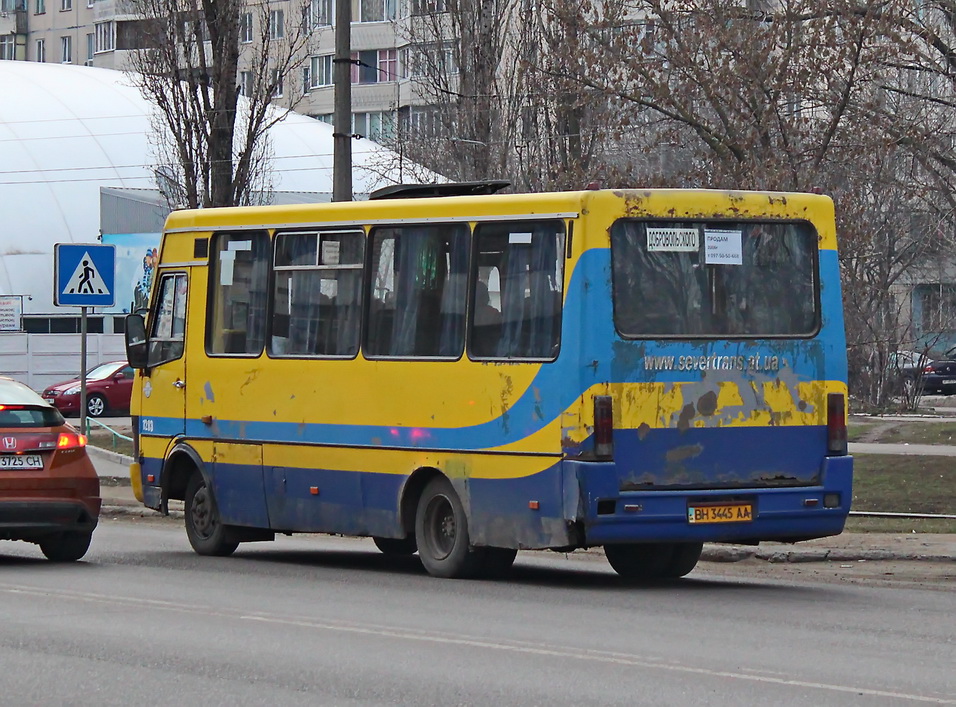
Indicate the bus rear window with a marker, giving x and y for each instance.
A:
(714, 279)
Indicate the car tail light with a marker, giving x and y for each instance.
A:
(836, 424)
(70, 440)
(603, 427)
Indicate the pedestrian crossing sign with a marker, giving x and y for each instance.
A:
(84, 275)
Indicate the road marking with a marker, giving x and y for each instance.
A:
(407, 634)
(590, 655)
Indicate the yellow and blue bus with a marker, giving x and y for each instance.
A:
(467, 375)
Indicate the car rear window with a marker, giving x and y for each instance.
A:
(27, 416)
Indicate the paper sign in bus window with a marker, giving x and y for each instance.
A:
(227, 265)
(674, 240)
(723, 248)
(330, 252)
(522, 238)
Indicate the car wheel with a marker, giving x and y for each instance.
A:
(397, 546)
(68, 546)
(95, 405)
(441, 529)
(204, 528)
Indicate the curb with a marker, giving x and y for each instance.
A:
(121, 507)
(738, 554)
(109, 455)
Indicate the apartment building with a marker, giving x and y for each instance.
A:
(103, 33)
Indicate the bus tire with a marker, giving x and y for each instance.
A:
(441, 529)
(643, 561)
(496, 561)
(68, 546)
(396, 546)
(204, 528)
(683, 559)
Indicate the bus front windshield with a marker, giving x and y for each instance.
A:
(739, 279)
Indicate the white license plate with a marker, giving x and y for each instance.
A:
(949, 382)
(21, 461)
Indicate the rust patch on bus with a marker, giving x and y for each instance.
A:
(707, 404)
(680, 454)
(686, 415)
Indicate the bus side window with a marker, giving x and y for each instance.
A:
(525, 259)
(317, 297)
(486, 323)
(239, 276)
(418, 287)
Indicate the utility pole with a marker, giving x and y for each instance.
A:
(342, 116)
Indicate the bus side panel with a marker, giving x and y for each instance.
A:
(238, 485)
(316, 500)
(381, 494)
(525, 512)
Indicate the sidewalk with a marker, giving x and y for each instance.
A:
(118, 499)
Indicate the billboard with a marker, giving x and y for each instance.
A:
(136, 257)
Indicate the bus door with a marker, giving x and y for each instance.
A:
(163, 405)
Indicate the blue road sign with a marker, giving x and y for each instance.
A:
(84, 275)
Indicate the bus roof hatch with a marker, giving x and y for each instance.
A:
(418, 191)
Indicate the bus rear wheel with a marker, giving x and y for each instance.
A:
(396, 546)
(442, 533)
(648, 561)
(204, 528)
(497, 561)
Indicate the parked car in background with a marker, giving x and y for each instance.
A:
(905, 369)
(933, 371)
(49, 490)
(939, 374)
(108, 387)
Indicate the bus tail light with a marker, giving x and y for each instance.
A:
(836, 424)
(603, 427)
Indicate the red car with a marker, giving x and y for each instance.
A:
(108, 387)
(49, 490)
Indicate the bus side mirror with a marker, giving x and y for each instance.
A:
(137, 347)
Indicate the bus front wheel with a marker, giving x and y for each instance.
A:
(649, 561)
(204, 528)
(442, 533)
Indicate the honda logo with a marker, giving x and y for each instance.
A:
(9, 442)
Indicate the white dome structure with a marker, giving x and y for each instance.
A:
(66, 131)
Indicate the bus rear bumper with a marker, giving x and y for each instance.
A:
(784, 514)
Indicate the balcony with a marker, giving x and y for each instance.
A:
(114, 10)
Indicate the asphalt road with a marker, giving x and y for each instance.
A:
(319, 620)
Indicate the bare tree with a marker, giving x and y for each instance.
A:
(462, 67)
(487, 110)
(569, 131)
(212, 118)
(841, 95)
